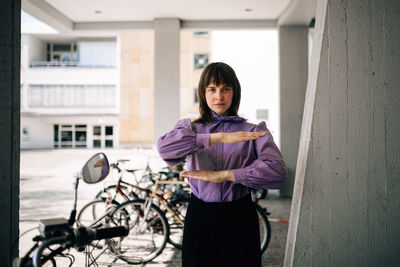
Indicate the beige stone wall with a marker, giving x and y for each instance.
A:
(137, 83)
(136, 88)
(191, 45)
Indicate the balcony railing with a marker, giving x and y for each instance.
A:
(71, 96)
(66, 64)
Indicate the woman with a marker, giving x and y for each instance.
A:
(226, 157)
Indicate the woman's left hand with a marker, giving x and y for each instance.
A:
(211, 176)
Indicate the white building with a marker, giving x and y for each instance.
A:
(69, 92)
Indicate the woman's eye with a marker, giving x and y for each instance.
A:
(227, 89)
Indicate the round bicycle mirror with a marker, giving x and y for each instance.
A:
(96, 169)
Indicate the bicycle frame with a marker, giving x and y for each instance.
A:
(162, 199)
(153, 194)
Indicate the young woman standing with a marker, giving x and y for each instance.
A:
(226, 158)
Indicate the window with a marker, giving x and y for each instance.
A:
(66, 58)
(96, 143)
(60, 52)
(200, 61)
(200, 34)
(108, 136)
(69, 136)
(96, 130)
(97, 136)
(80, 138)
(109, 130)
(55, 135)
(77, 136)
(61, 47)
(109, 143)
(66, 136)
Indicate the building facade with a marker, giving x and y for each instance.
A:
(99, 92)
(69, 92)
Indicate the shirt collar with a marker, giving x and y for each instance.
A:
(218, 118)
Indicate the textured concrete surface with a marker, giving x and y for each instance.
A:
(47, 192)
(346, 201)
(10, 21)
(293, 66)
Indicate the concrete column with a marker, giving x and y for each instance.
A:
(293, 60)
(166, 82)
(10, 48)
(345, 208)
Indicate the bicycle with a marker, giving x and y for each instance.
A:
(61, 232)
(149, 228)
(177, 203)
(177, 195)
(146, 181)
(264, 225)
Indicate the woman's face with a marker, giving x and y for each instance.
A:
(219, 98)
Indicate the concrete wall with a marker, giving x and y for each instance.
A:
(38, 133)
(166, 82)
(345, 208)
(10, 19)
(293, 59)
(97, 53)
(37, 49)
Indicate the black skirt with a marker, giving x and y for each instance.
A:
(221, 234)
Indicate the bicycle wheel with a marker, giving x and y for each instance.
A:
(175, 227)
(91, 213)
(147, 236)
(265, 228)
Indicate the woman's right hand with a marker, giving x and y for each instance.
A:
(234, 137)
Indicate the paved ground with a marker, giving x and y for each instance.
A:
(47, 192)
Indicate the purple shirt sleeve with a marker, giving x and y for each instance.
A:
(268, 171)
(175, 145)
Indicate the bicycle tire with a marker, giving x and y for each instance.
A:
(90, 212)
(144, 243)
(179, 205)
(265, 228)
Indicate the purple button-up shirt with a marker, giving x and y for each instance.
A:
(255, 164)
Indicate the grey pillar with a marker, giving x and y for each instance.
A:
(293, 58)
(10, 32)
(345, 208)
(167, 82)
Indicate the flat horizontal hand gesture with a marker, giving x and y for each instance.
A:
(211, 176)
(234, 137)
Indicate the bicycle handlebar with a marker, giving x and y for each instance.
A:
(78, 238)
(85, 235)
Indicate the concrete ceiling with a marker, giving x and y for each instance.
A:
(148, 10)
(90, 16)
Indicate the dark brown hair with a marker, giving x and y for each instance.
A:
(217, 73)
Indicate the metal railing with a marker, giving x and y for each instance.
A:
(65, 64)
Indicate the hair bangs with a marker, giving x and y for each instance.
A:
(219, 75)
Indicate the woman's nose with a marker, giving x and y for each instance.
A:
(220, 95)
